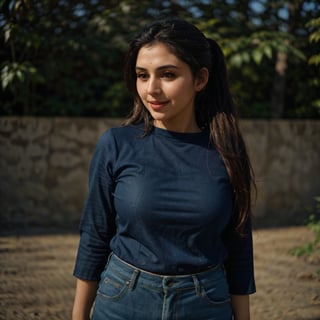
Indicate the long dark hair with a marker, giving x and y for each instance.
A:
(214, 107)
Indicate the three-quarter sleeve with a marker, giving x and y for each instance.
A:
(239, 264)
(97, 224)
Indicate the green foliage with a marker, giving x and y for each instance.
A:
(252, 41)
(66, 57)
(314, 225)
(259, 45)
(314, 37)
(314, 59)
(13, 73)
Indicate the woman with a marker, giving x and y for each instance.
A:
(166, 227)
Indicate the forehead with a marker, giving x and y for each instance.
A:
(156, 53)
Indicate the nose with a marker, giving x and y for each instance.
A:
(154, 86)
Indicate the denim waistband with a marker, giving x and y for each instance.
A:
(150, 279)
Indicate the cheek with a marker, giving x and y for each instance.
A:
(140, 90)
(179, 89)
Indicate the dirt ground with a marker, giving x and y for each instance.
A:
(36, 277)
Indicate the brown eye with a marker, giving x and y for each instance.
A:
(169, 75)
(142, 76)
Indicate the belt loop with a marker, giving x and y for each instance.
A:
(196, 285)
(133, 279)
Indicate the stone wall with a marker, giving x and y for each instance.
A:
(286, 159)
(44, 168)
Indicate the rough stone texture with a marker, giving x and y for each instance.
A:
(286, 159)
(44, 168)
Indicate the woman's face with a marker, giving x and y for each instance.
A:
(167, 88)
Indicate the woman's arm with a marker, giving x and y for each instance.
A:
(240, 307)
(84, 297)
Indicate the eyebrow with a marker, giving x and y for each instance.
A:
(159, 68)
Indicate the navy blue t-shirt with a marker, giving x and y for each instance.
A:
(163, 203)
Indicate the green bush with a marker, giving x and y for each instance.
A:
(314, 225)
(310, 247)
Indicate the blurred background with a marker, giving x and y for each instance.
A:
(65, 58)
(62, 86)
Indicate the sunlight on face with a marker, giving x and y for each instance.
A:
(167, 88)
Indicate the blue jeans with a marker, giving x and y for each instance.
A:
(128, 293)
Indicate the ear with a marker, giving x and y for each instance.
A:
(202, 79)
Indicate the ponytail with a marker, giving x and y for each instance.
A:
(225, 134)
(214, 107)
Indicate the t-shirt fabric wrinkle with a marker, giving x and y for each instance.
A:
(163, 203)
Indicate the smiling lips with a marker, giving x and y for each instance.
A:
(157, 105)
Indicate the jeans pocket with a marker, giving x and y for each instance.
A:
(216, 292)
(113, 286)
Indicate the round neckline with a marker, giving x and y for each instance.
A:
(189, 136)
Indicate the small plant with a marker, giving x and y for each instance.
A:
(314, 225)
(310, 247)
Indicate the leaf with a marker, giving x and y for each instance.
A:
(305, 249)
(257, 56)
(245, 57)
(298, 53)
(314, 23)
(6, 77)
(20, 75)
(236, 60)
(268, 51)
(7, 34)
(315, 36)
(314, 60)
